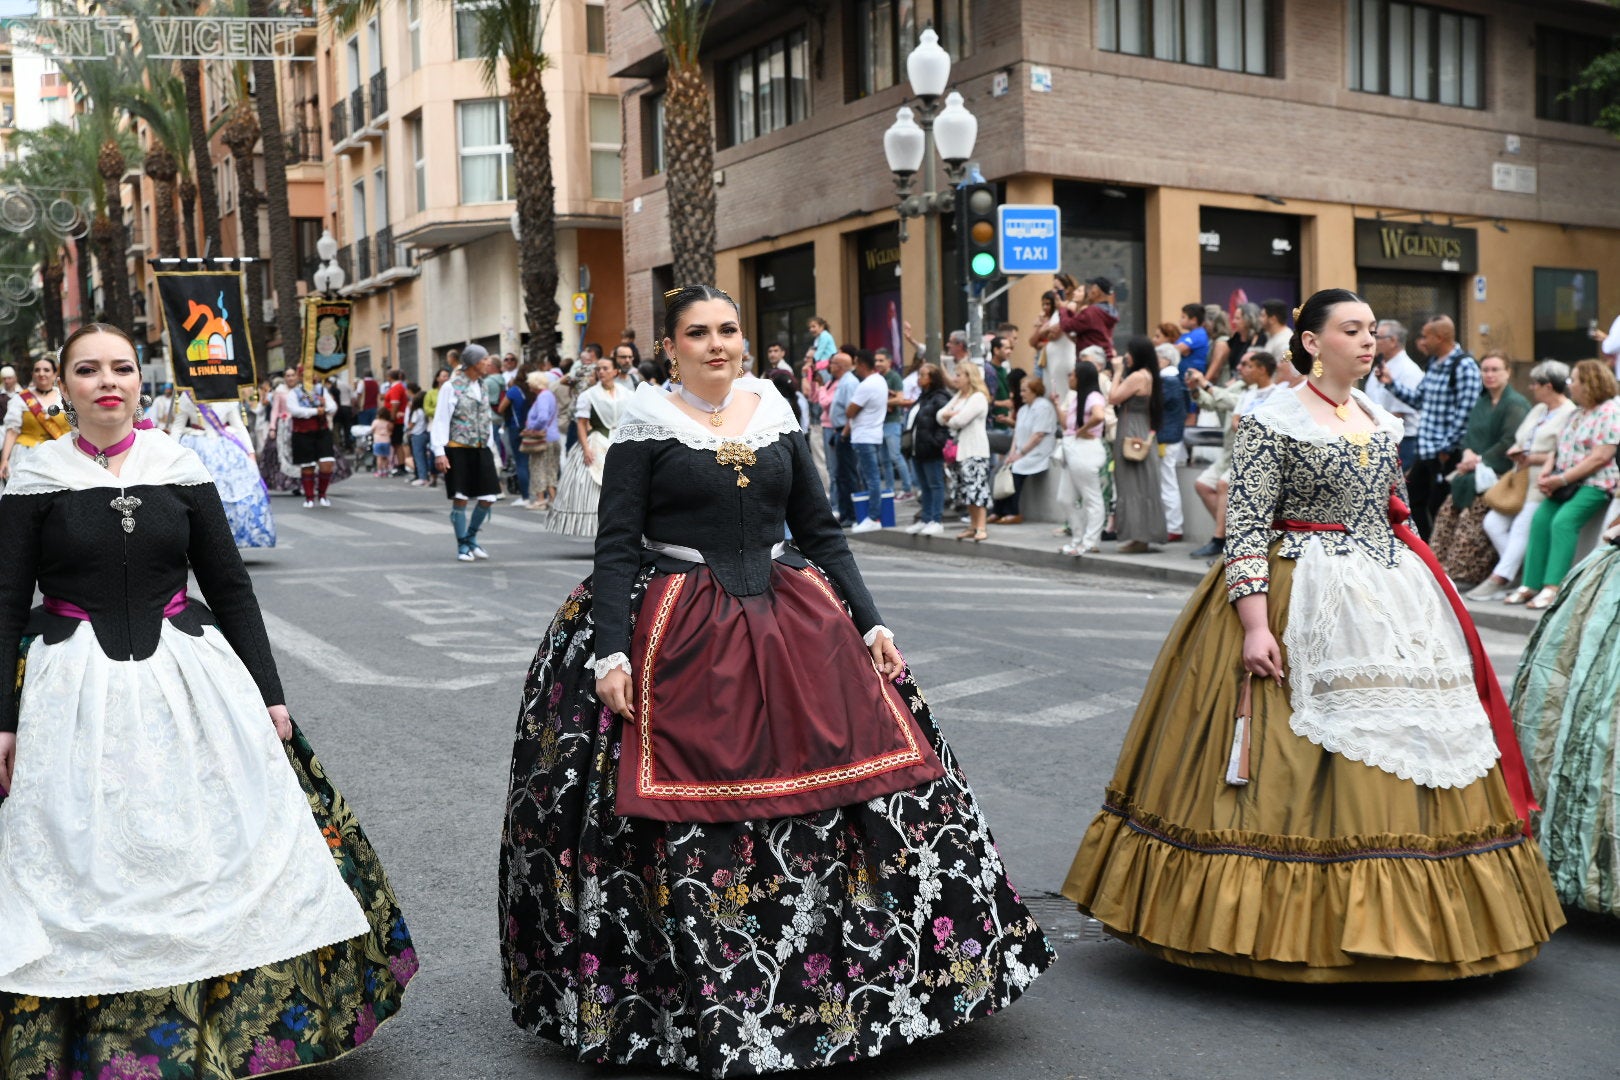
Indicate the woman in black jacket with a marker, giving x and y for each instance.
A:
(928, 438)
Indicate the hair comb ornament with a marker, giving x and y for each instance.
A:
(670, 294)
(1297, 309)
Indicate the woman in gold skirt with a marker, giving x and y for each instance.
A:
(1321, 782)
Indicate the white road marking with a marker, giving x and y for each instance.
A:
(308, 524)
(409, 523)
(1055, 716)
(338, 666)
(510, 520)
(978, 684)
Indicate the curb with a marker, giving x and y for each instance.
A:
(1485, 616)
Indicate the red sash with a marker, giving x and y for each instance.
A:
(47, 423)
(1514, 772)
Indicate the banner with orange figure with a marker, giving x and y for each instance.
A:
(205, 317)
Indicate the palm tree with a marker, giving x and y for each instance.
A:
(688, 136)
(202, 155)
(283, 263)
(240, 131)
(159, 101)
(106, 87)
(52, 163)
(511, 30)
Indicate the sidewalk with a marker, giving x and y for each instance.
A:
(1034, 544)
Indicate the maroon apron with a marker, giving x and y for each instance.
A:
(759, 707)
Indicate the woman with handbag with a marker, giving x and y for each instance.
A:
(928, 439)
(1034, 442)
(1581, 481)
(182, 890)
(1139, 396)
(541, 441)
(1322, 782)
(1459, 538)
(965, 417)
(1513, 499)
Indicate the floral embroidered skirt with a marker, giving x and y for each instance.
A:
(1321, 868)
(734, 949)
(310, 1009)
(1566, 707)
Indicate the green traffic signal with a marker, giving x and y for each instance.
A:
(984, 264)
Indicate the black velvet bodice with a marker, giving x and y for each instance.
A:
(73, 545)
(675, 494)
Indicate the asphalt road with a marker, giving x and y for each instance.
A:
(404, 667)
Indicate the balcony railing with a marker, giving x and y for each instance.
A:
(340, 122)
(387, 257)
(357, 109)
(345, 259)
(362, 259)
(303, 144)
(379, 95)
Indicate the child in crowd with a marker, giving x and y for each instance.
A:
(382, 438)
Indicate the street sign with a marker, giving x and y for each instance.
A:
(582, 308)
(1029, 239)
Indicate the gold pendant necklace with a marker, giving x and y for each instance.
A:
(1340, 409)
(1361, 439)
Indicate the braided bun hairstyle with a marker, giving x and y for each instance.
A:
(676, 301)
(1312, 315)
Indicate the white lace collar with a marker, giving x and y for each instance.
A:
(1285, 413)
(155, 460)
(652, 415)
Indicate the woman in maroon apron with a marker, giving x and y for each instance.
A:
(735, 840)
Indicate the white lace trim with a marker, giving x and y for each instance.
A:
(1286, 414)
(617, 661)
(870, 636)
(652, 416)
(1379, 671)
(155, 459)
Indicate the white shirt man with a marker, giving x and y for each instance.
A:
(872, 398)
(1610, 342)
(1391, 344)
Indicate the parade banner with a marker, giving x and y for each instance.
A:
(212, 357)
(326, 337)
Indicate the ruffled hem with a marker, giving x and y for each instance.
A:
(1341, 909)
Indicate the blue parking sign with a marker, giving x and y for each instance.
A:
(1029, 239)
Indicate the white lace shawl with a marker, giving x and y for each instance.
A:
(1285, 413)
(652, 415)
(155, 460)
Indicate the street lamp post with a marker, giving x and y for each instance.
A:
(329, 277)
(909, 144)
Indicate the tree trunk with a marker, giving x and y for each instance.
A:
(81, 270)
(112, 240)
(530, 132)
(109, 256)
(689, 155)
(283, 244)
(202, 156)
(188, 215)
(241, 134)
(51, 274)
(160, 166)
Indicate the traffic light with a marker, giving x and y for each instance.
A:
(977, 232)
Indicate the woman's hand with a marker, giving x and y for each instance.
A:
(8, 758)
(1550, 482)
(1261, 654)
(614, 691)
(443, 463)
(885, 657)
(1470, 462)
(590, 458)
(280, 717)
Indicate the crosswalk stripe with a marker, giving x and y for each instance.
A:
(1063, 715)
(978, 684)
(407, 522)
(317, 525)
(510, 520)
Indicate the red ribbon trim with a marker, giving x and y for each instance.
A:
(1514, 772)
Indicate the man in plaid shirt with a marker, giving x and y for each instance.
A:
(1445, 397)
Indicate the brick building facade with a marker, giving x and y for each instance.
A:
(1420, 153)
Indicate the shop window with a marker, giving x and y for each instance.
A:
(1246, 257)
(595, 27)
(1566, 313)
(1234, 35)
(606, 139)
(768, 88)
(1418, 52)
(1561, 57)
(1105, 233)
(877, 279)
(785, 299)
(486, 156)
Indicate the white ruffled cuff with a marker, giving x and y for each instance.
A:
(871, 635)
(608, 663)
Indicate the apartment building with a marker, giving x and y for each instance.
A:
(1198, 150)
(418, 181)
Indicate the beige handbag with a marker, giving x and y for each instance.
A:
(1507, 495)
(1136, 449)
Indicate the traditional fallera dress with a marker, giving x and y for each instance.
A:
(216, 434)
(176, 900)
(579, 488)
(781, 865)
(1363, 822)
(1566, 702)
(275, 455)
(29, 416)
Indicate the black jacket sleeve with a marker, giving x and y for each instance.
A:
(621, 516)
(20, 518)
(817, 534)
(228, 588)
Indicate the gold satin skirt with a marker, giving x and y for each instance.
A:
(1321, 869)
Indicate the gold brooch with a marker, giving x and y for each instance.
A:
(1360, 439)
(736, 455)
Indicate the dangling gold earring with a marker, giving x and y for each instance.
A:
(1316, 368)
(675, 370)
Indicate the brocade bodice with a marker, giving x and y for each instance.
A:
(1287, 467)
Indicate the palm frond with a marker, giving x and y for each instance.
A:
(680, 26)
